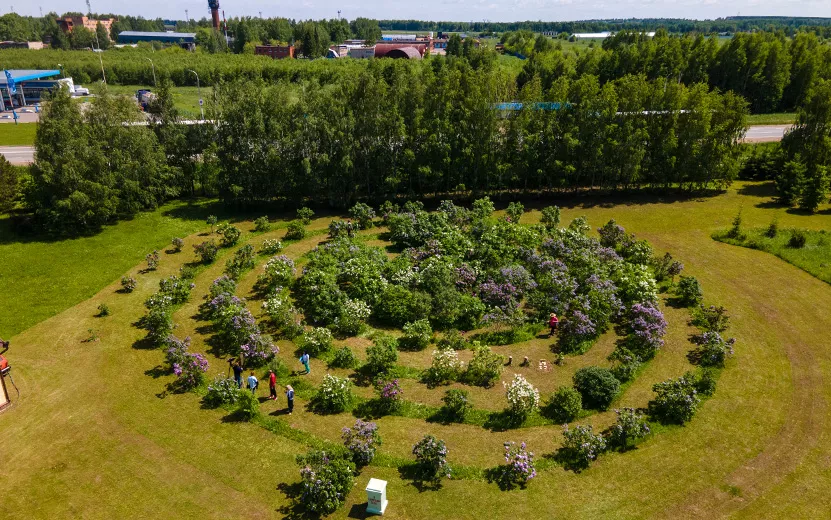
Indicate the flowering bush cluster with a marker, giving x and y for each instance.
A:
(431, 459)
(646, 329)
(279, 271)
(283, 315)
(327, 479)
(417, 335)
(317, 341)
(206, 251)
(128, 284)
(152, 260)
(177, 244)
(295, 230)
(390, 394)
(713, 350)
(522, 397)
(189, 368)
(630, 425)
(456, 404)
(235, 325)
(177, 289)
(676, 400)
(362, 440)
(230, 234)
(334, 394)
(519, 465)
(484, 368)
(350, 322)
(271, 246)
(222, 391)
(446, 367)
(362, 214)
(159, 319)
(262, 224)
(581, 446)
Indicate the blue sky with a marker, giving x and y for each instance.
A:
(463, 10)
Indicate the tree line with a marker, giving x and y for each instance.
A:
(773, 72)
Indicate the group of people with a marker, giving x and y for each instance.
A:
(253, 383)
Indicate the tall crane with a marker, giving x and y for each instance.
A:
(213, 5)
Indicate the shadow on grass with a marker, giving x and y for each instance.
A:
(502, 421)
(412, 473)
(359, 511)
(763, 189)
(293, 510)
(569, 461)
(157, 372)
(501, 478)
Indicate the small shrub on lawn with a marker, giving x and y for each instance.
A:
(456, 405)
(295, 231)
(630, 426)
(515, 211)
(705, 383)
(597, 386)
(343, 358)
(177, 289)
(262, 225)
(353, 313)
(242, 261)
(522, 397)
(230, 234)
(798, 239)
(282, 314)
(772, 230)
(417, 335)
(152, 260)
(382, 355)
(581, 446)
(445, 368)
(189, 368)
(713, 350)
(177, 244)
(485, 367)
(327, 479)
(735, 231)
(362, 440)
(676, 400)
(158, 322)
(689, 291)
(103, 310)
(334, 394)
(627, 365)
(128, 284)
(222, 391)
(710, 319)
(564, 405)
(317, 341)
(550, 217)
(187, 272)
(390, 394)
(362, 214)
(258, 349)
(305, 215)
(646, 327)
(211, 221)
(431, 459)
(206, 251)
(519, 465)
(453, 339)
(272, 246)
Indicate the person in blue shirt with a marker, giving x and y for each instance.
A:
(305, 360)
(253, 383)
(290, 397)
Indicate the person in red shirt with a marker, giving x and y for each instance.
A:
(553, 323)
(272, 384)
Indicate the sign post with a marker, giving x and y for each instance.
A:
(376, 496)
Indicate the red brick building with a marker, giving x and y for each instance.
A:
(278, 52)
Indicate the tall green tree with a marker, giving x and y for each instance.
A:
(366, 29)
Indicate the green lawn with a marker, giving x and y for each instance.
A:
(782, 118)
(814, 257)
(125, 448)
(17, 135)
(186, 99)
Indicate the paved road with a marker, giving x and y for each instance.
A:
(755, 134)
(18, 154)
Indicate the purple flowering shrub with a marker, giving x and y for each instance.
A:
(390, 394)
(222, 391)
(206, 251)
(327, 479)
(189, 368)
(362, 214)
(630, 426)
(176, 288)
(676, 400)
(612, 235)
(646, 327)
(519, 465)
(258, 350)
(178, 244)
(362, 440)
(158, 322)
(713, 350)
(152, 260)
(279, 271)
(581, 446)
(128, 284)
(431, 459)
(577, 332)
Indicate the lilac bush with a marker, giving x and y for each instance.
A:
(279, 271)
(258, 350)
(630, 425)
(189, 368)
(522, 397)
(713, 350)
(612, 235)
(676, 400)
(519, 465)
(581, 446)
(577, 331)
(152, 260)
(326, 481)
(128, 284)
(390, 394)
(362, 440)
(646, 329)
(431, 459)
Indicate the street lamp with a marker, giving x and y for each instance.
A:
(199, 93)
(154, 72)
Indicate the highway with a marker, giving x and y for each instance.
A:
(755, 134)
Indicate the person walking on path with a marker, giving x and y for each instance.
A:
(305, 360)
(272, 384)
(253, 383)
(237, 368)
(290, 397)
(553, 323)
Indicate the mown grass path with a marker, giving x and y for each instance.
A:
(94, 436)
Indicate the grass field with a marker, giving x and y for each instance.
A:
(757, 449)
(17, 135)
(782, 118)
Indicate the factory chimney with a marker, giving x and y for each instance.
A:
(214, 6)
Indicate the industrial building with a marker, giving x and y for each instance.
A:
(185, 40)
(70, 22)
(277, 52)
(21, 45)
(28, 86)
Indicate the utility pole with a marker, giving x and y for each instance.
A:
(154, 71)
(338, 14)
(187, 18)
(199, 93)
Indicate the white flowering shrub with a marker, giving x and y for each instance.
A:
(522, 397)
(352, 316)
(279, 271)
(317, 341)
(446, 367)
(271, 246)
(636, 284)
(283, 314)
(334, 394)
